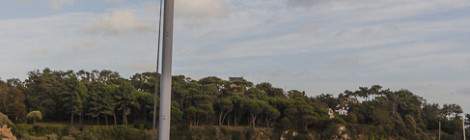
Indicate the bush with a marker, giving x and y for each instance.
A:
(46, 137)
(63, 132)
(44, 130)
(114, 133)
(67, 138)
(34, 116)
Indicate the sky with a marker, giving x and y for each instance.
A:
(319, 46)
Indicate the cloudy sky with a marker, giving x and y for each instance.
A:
(320, 46)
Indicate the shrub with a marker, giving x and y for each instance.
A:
(44, 130)
(114, 133)
(34, 116)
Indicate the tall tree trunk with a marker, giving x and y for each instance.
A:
(115, 118)
(266, 120)
(220, 119)
(81, 118)
(124, 118)
(253, 121)
(190, 123)
(235, 120)
(225, 116)
(71, 118)
(196, 122)
(106, 120)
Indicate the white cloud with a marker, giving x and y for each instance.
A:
(328, 26)
(120, 21)
(58, 4)
(201, 8)
(115, 1)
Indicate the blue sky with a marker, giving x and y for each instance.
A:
(320, 46)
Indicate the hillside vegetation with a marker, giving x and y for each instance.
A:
(103, 104)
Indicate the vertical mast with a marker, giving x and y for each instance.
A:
(463, 126)
(165, 85)
(157, 70)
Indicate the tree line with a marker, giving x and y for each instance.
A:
(106, 98)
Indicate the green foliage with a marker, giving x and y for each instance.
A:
(12, 98)
(106, 98)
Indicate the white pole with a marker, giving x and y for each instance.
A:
(463, 127)
(157, 70)
(165, 85)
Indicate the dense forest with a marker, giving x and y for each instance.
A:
(106, 98)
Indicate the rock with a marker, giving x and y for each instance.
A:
(6, 134)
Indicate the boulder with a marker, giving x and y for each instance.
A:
(6, 134)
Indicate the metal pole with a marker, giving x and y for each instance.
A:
(157, 71)
(165, 85)
(463, 127)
